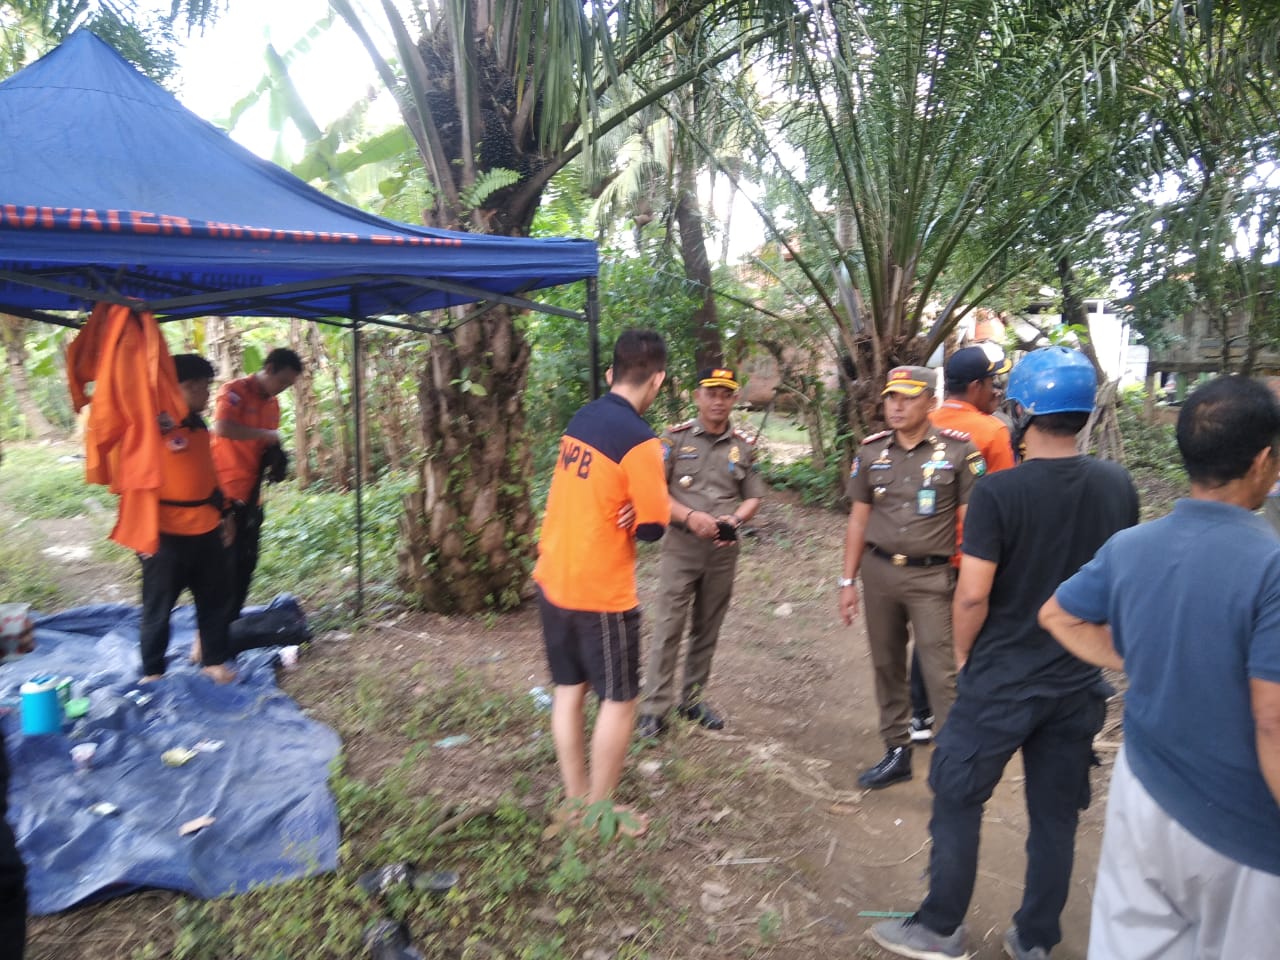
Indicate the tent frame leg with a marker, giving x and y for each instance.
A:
(357, 388)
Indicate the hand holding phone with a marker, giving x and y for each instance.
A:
(726, 531)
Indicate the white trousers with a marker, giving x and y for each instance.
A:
(1162, 894)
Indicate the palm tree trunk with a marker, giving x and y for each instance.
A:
(467, 531)
(708, 350)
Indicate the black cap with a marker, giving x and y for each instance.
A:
(974, 363)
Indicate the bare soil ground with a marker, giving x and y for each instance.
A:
(762, 843)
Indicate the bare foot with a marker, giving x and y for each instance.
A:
(197, 652)
(628, 822)
(219, 673)
(567, 816)
(631, 822)
(152, 678)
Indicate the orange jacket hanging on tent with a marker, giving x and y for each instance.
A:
(135, 399)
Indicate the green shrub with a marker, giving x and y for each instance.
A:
(309, 540)
(820, 486)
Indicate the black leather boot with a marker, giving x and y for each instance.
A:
(893, 768)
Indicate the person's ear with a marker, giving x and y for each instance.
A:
(608, 375)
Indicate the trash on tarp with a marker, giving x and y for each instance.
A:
(177, 756)
(82, 755)
(208, 746)
(195, 826)
(104, 809)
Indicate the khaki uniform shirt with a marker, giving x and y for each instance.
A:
(708, 472)
(914, 494)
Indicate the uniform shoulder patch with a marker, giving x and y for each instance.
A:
(878, 436)
(744, 437)
(680, 427)
(953, 434)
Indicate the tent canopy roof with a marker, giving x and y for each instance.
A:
(110, 188)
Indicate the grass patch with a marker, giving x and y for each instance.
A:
(23, 576)
(518, 897)
(45, 482)
(778, 428)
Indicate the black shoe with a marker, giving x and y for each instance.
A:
(702, 714)
(650, 727)
(389, 940)
(893, 768)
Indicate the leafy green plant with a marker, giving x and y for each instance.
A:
(816, 485)
(309, 542)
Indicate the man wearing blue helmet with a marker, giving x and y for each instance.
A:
(1027, 530)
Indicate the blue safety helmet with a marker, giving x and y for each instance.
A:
(1052, 380)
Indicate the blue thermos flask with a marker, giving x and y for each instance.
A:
(41, 709)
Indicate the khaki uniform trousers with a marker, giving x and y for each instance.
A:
(693, 571)
(892, 597)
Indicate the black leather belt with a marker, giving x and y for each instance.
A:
(902, 560)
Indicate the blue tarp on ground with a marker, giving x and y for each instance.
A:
(106, 180)
(266, 787)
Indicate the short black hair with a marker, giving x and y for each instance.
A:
(192, 366)
(1065, 424)
(1222, 427)
(957, 388)
(638, 355)
(282, 358)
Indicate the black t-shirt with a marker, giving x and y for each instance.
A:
(1039, 523)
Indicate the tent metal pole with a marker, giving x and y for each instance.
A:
(593, 328)
(358, 390)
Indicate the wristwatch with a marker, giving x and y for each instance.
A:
(846, 582)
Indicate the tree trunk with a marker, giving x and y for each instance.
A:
(1074, 312)
(223, 348)
(306, 417)
(467, 531)
(708, 350)
(15, 332)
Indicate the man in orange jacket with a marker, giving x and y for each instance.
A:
(194, 535)
(246, 421)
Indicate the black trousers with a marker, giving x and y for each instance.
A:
(1055, 735)
(919, 693)
(196, 563)
(244, 552)
(13, 876)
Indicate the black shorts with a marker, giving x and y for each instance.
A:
(602, 649)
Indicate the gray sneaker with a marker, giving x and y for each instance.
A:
(907, 938)
(1013, 947)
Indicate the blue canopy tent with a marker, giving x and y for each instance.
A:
(111, 190)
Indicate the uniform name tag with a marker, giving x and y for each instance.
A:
(926, 502)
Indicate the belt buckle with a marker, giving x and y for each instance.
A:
(899, 560)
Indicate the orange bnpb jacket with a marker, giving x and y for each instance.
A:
(135, 394)
(608, 457)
